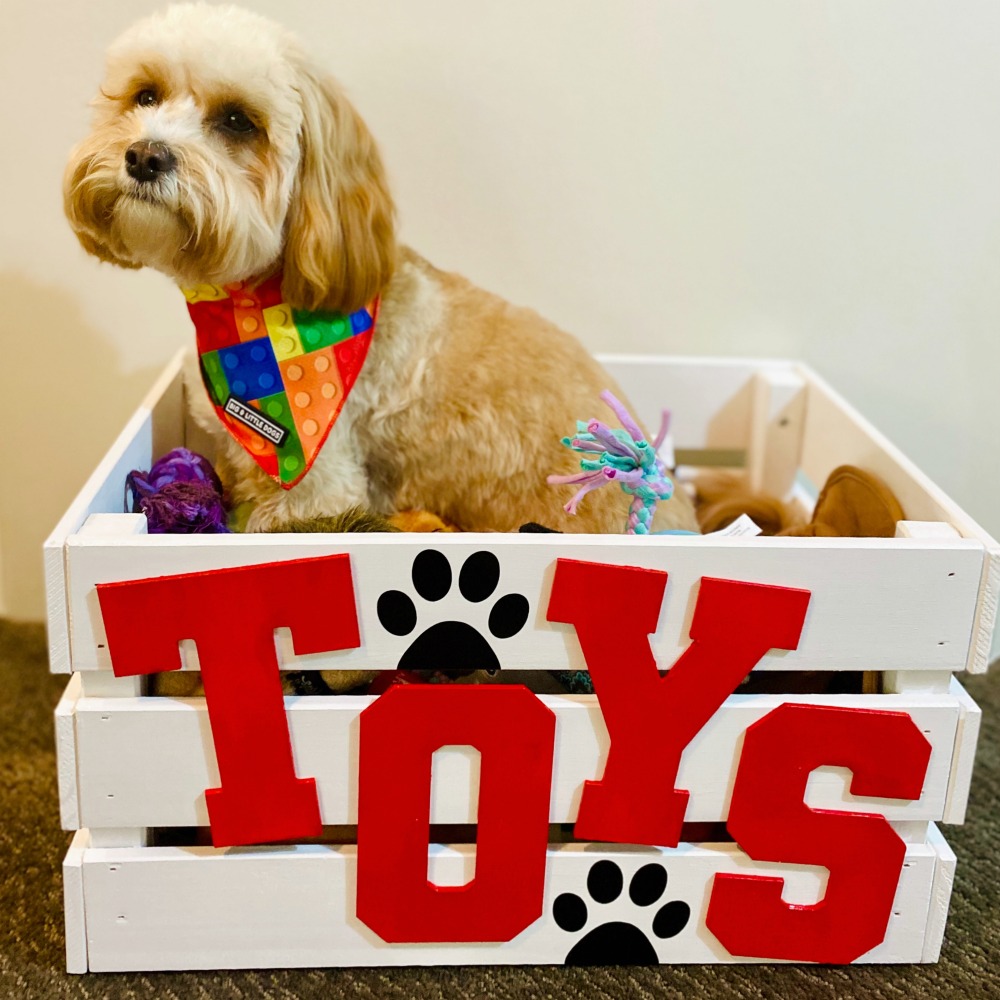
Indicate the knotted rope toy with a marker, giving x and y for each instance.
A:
(624, 457)
(181, 494)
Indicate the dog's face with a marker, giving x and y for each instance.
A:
(218, 151)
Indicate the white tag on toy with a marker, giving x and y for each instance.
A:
(743, 527)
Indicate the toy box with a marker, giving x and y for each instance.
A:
(451, 824)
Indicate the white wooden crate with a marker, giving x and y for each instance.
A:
(918, 609)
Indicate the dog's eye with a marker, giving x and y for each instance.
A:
(236, 121)
(146, 98)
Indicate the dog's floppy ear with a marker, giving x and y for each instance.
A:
(340, 245)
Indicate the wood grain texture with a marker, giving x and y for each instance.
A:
(964, 759)
(74, 904)
(940, 903)
(66, 761)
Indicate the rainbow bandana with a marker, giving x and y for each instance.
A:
(277, 376)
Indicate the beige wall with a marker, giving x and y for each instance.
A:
(760, 177)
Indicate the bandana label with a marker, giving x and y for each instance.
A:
(277, 376)
(256, 421)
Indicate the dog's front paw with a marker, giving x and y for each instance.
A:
(286, 512)
(269, 515)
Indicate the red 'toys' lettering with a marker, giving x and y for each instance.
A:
(768, 818)
(651, 719)
(231, 615)
(515, 735)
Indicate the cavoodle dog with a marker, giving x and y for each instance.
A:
(337, 367)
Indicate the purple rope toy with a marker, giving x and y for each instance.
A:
(624, 457)
(181, 494)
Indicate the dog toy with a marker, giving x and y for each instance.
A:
(624, 457)
(181, 494)
(853, 503)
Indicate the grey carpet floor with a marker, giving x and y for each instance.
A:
(31, 935)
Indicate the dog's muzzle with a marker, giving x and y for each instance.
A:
(148, 161)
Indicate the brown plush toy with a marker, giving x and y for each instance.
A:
(852, 504)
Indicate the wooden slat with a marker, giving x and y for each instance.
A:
(177, 908)
(74, 904)
(146, 762)
(66, 764)
(877, 604)
(940, 903)
(156, 426)
(966, 739)
(777, 427)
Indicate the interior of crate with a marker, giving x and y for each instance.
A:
(774, 421)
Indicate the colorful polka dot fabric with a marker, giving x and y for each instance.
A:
(277, 376)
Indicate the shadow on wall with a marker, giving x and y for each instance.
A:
(65, 398)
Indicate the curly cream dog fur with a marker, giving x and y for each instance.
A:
(463, 399)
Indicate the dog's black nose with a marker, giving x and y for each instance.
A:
(146, 161)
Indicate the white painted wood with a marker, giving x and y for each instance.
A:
(986, 614)
(785, 430)
(964, 759)
(147, 761)
(944, 878)
(65, 715)
(74, 904)
(925, 529)
(777, 423)
(197, 438)
(455, 781)
(710, 399)
(837, 434)
(104, 684)
(56, 600)
(447, 866)
(155, 427)
(916, 681)
(878, 604)
(119, 836)
(200, 908)
(112, 525)
(912, 831)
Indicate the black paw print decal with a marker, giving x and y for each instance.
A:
(452, 645)
(616, 942)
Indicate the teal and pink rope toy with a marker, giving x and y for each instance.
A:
(624, 457)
